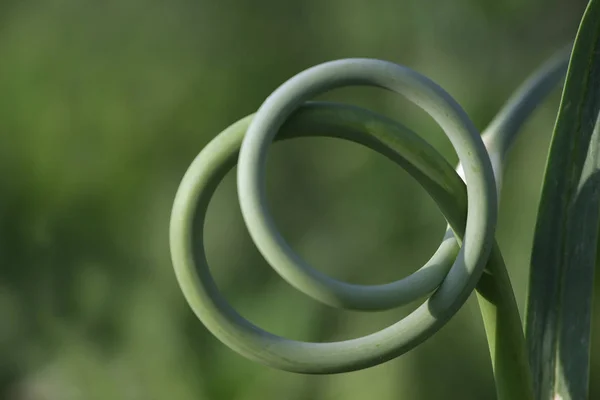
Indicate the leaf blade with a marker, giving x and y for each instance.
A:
(564, 251)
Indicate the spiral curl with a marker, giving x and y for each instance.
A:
(449, 277)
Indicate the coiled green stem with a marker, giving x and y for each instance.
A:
(449, 277)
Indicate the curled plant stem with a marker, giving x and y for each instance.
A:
(450, 276)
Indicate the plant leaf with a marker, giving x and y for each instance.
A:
(566, 234)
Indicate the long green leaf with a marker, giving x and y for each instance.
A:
(566, 236)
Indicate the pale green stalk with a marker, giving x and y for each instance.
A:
(452, 273)
(505, 336)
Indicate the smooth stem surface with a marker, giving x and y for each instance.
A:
(456, 268)
(495, 296)
(504, 332)
(496, 299)
(442, 183)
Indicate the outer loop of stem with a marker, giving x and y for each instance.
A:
(453, 271)
(384, 136)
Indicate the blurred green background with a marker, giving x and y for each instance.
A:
(104, 104)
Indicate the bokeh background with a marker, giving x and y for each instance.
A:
(103, 105)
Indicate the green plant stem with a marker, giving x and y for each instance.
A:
(495, 296)
(437, 177)
(453, 270)
(504, 331)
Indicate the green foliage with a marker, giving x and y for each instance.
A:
(104, 104)
(560, 303)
